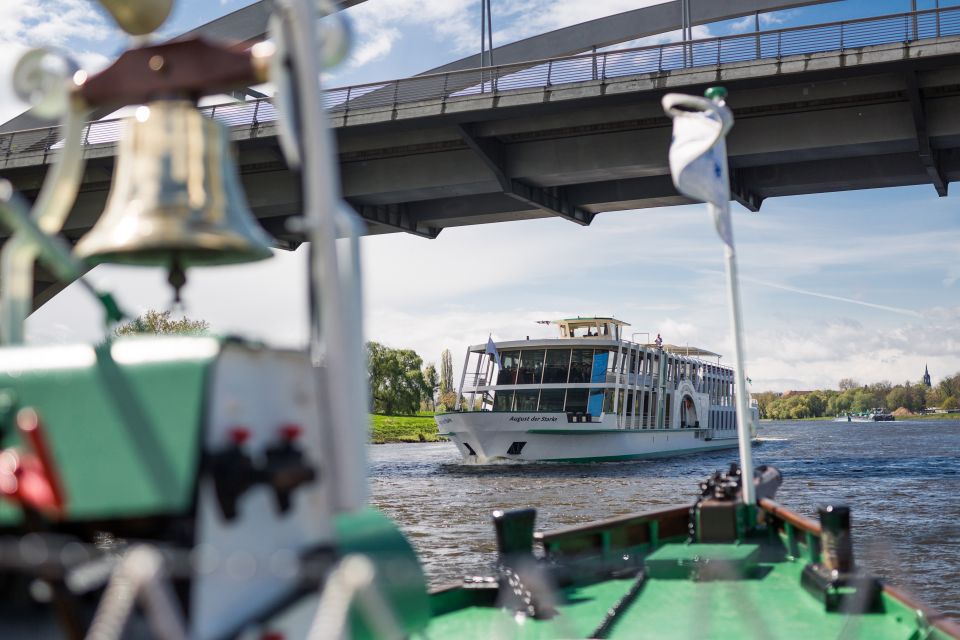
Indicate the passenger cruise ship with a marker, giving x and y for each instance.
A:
(590, 395)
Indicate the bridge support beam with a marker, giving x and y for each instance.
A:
(742, 193)
(242, 94)
(554, 200)
(928, 155)
(396, 216)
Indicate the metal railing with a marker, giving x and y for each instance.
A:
(545, 74)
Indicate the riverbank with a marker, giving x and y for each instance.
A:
(418, 428)
(924, 417)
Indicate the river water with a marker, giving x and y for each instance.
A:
(902, 480)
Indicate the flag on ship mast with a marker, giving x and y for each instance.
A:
(492, 350)
(698, 164)
(698, 154)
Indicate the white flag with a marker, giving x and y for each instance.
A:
(492, 350)
(698, 154)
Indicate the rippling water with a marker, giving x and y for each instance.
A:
(902, 480)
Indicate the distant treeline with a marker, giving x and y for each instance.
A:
(854, 398)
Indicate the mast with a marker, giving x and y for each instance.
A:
(698, 165)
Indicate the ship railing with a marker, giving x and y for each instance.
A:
(475, 380)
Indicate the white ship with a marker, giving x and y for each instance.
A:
(590, 395)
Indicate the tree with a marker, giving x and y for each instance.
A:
(446, 373)
(763, 402)
(848, 383)
(448, 401)
(899, 397)
(396, 380)
(432, 380)
(160, 323)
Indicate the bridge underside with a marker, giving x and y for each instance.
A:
(879, 117)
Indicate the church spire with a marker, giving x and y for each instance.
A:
(926, 376)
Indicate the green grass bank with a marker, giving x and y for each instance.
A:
(418, 428)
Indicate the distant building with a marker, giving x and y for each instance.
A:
(926, 376)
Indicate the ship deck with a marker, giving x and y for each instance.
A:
(768, 601)
(773, 606)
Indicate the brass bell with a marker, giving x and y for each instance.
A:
(176, 199)
(138, 17)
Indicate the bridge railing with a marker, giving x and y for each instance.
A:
(544, 74)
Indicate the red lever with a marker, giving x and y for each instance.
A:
(31, 479)
(239, 435)
(290, 431)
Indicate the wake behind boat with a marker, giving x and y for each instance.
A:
(590, 395)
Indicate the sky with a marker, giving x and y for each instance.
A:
(861, 284)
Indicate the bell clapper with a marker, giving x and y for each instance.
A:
(177, 278)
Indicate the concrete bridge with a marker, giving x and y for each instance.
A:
(848, 105)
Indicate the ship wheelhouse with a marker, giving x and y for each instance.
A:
(592, 373)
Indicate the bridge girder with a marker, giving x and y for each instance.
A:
(928, 155)
(553, 200)
(621, 27)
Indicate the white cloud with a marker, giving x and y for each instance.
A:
(380, 24)
(73, 26)
(51, 22)
(816, 354)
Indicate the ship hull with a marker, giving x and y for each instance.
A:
(549, 437)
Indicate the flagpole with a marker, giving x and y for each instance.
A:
(744, 432)
(698, 164)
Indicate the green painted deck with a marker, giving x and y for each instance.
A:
(770, 605)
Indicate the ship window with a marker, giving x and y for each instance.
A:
(502, 400)
(595, 404)
(525, 400)
(581, 365)
(608, 401)
(508, 371)
(577, 400)
(555, 368)
(551, 399)
(531, 367)
(515, 448)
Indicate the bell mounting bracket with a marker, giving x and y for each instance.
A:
(192, 67)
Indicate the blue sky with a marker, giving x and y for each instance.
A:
(857, 284)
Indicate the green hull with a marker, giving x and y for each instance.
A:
(639, 577)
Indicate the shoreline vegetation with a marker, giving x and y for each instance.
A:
(908, 418)
(393, 429)
(903, 400)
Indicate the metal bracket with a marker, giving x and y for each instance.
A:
(242, 94)
(553, 200)
(396, 216)
(928, 155)
(742, 193)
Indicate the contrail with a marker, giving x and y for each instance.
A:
(827, 296)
